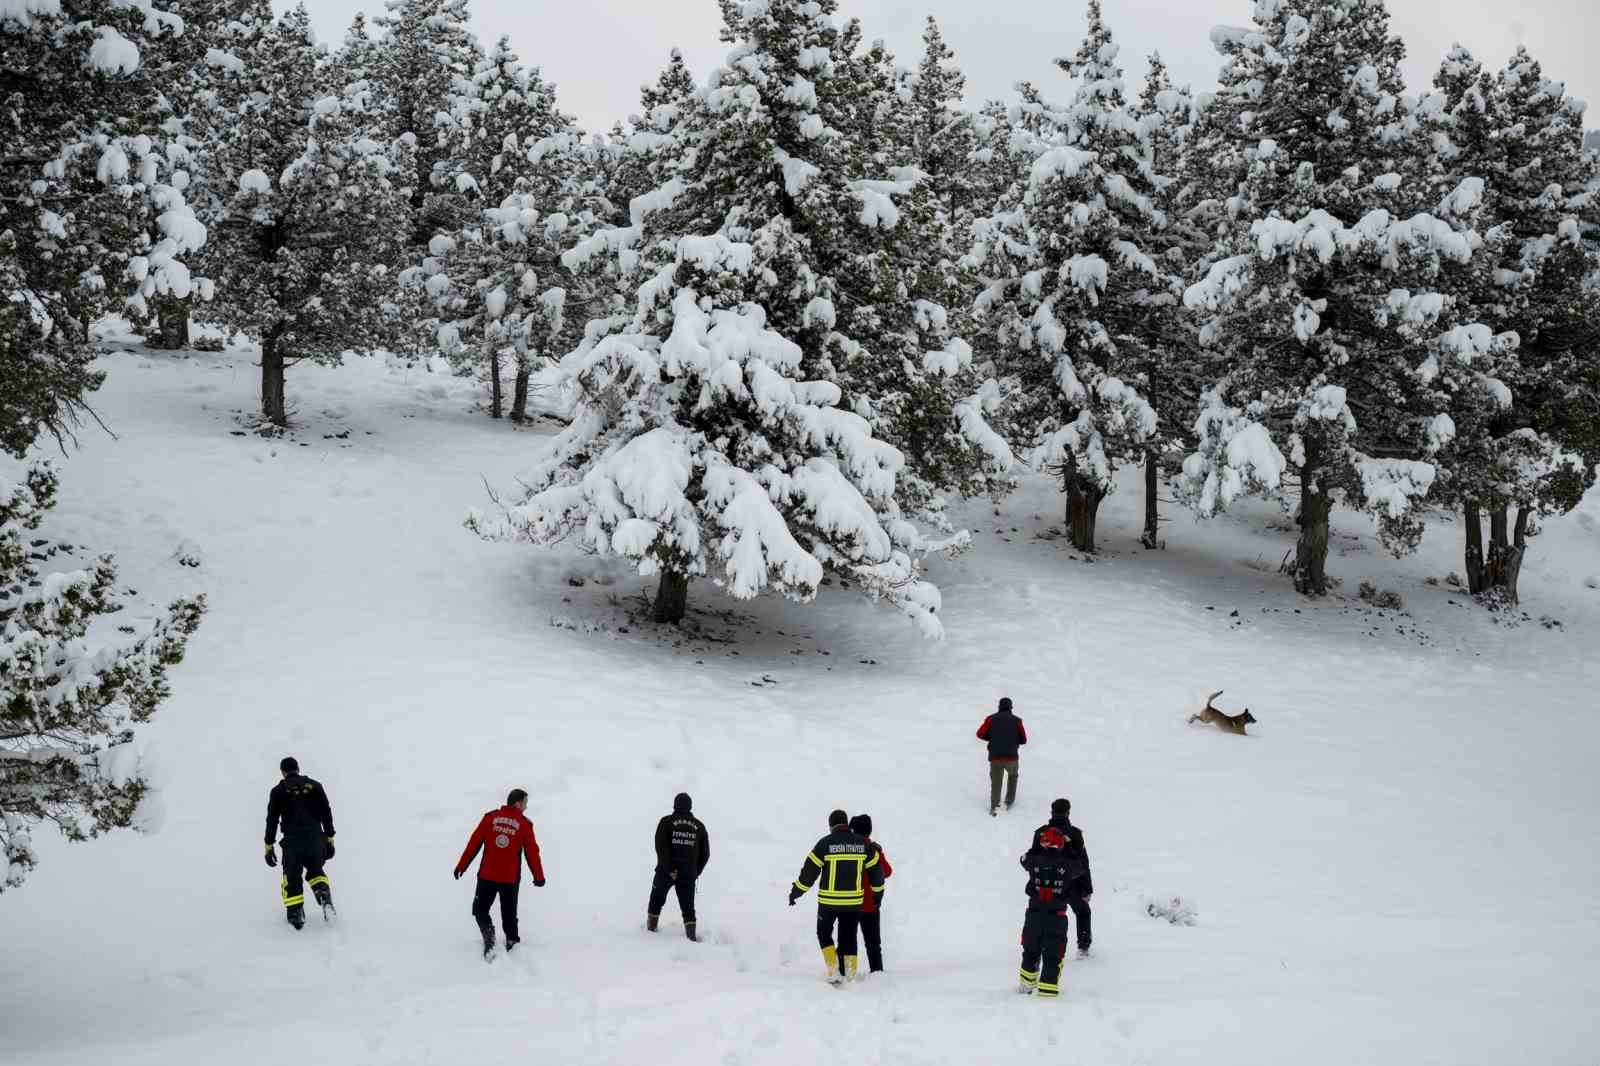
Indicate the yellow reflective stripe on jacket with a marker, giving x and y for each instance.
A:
(873, 861)
(811, 856)
(801, 887)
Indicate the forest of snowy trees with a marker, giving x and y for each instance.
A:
(799, 305)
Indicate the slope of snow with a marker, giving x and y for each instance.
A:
(1397, 869)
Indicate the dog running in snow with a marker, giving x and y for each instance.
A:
(1233, 723)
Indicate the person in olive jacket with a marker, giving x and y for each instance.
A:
(683, 848)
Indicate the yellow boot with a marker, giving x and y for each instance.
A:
(830, 959)
(850, 967)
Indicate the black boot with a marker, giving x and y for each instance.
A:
(297, 916)
(488, 942)
(688, 931)
(651, 921)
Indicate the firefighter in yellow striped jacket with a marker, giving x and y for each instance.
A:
(844, 867)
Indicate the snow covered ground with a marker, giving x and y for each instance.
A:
(1399, 868)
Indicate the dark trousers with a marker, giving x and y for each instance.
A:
(848, 919)
(1044, 943)
(302, 866)
(872, 937)
(683, 886)
(1080, 915)
(484, 898)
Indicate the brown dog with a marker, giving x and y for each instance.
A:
(1233, 723)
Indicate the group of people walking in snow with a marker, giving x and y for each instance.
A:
(847, 867)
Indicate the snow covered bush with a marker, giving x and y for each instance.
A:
(68, 707)
(1174, 910)
(1384, 599)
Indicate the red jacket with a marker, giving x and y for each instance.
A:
(504, 835)
(869, 902)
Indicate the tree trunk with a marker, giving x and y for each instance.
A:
(1472, 515)
(672, 597)
(1499, 547)
(172, 324)
(1311, 550)
(1511, 573)
(519, 395)
(496, 398)
(1152, 505)
(1083, 507)
(272, 403)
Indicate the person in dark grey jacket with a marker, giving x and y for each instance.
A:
(1003, 730)
(683, 848)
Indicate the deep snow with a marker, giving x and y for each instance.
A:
(1398, 868)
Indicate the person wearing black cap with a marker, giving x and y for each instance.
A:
(1003, 730)
(1051, 869)
(844, 868)
(872, 902)
(1081, 886)
(683, 847)
(301, 807)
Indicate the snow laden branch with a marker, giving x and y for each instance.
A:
(68, 708)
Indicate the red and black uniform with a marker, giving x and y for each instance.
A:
(683, 848)
(300, 806)
(1081, 887)
(505, 836)
(871, 920)
(1052, 866)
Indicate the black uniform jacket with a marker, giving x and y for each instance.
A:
(682, 845)
(842, 866)
(301, 807)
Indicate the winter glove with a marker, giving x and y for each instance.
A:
(794, 894)
(327, 851)
(458, 875)
(538, 882)
(272, 856)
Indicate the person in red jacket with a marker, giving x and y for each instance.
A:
(1003, 730)
(872, 902)
(505, 835)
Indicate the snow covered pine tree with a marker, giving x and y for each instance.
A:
(709, 437)
(1068, 279)
(1532, 445)
(1328, 294)
(316, 221)
(68, 708)
(92, 213)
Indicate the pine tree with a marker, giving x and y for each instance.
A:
(68, 706)
(1328, 294)
(710, 438)
(1531, 445)
(426, 50)
(93, 217)
(1067, 276)
(316, 222)
(498, 285)
(1165, 357)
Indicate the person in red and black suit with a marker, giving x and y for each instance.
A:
(872, 902)
(505, 836)
(1003, 730)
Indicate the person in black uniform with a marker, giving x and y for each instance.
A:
(683, 847)
(1082, 885)
(847, 868)
(300, 806)
(1051, 868)
(871, 918)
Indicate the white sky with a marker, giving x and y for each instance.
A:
(598, 52)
